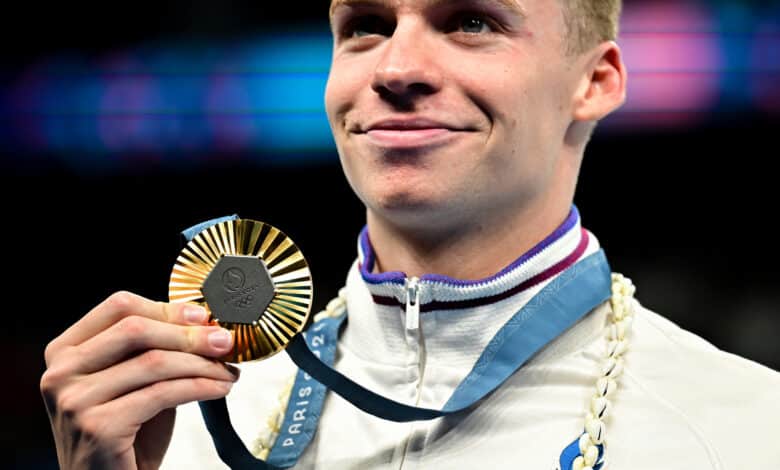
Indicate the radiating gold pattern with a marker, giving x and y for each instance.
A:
(289, 309)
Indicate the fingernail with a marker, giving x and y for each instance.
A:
(194, 313)
(226, 386)
(235, 371)
(220, 339)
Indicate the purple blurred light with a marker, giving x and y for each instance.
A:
(127, 107)
(674, 72)
(227, 108)
(765, 60)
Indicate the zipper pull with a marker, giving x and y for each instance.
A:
(412, 303)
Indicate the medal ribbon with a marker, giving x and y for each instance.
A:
(553, 310)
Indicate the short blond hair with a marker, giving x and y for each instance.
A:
(590, 22)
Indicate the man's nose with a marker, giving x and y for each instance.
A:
(407, 66)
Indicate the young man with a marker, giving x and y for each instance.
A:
(461, 125)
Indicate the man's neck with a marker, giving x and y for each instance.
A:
(473, 250)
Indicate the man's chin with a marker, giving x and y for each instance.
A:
(405, 202)
(413, 211)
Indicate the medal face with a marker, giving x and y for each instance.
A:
(252, 279)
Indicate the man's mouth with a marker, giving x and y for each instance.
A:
(408, 133)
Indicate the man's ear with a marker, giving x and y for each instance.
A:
(603, 86)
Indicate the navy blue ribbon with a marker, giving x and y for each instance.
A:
(557, 307)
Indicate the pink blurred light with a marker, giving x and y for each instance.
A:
(673, 59)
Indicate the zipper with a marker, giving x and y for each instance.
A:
(412, 287)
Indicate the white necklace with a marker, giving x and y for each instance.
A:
(618, 326)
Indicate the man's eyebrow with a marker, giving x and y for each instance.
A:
(512, 5)
(338, 3)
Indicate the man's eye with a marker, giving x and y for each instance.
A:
(473, 24)
(368, 25)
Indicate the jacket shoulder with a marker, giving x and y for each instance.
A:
(729, 402)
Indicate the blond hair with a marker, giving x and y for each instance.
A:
(590, 22)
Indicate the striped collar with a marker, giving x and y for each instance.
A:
(561, 249)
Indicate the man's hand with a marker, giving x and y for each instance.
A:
(114, 378)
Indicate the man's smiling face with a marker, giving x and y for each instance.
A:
(442, 110)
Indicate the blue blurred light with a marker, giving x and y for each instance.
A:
(263, 98)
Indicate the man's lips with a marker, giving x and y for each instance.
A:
(409, 133)
(407, 138)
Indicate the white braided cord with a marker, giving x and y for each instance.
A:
(619, 323)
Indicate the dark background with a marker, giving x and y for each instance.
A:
(686, 212)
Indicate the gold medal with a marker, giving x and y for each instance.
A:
(253, 280)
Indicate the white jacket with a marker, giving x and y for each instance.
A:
(681, 403)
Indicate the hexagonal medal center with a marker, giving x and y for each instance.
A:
(238, 289)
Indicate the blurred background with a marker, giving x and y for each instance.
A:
(122, 123)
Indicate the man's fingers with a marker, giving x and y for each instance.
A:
(152, 352)
(134, 334)
(127, 413)
(117, 307)
(141, 371)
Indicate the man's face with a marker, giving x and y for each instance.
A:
(448, 111)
